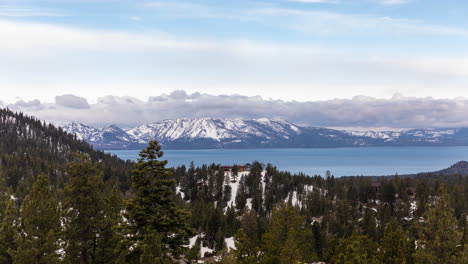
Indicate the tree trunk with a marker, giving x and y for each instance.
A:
(83, 256)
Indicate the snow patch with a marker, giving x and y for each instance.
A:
(230, 243)
(179, 191)
(248, 203)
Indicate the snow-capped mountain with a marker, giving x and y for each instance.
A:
(108, 137)
(215, 129)
(206, 133)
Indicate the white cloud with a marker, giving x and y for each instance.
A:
(335, 23)
(8, 11)
(71, 101)
(311, 21)
(361, 111)
(394, 2)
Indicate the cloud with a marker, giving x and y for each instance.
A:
(315, 21)
(394, 2)
(7, 11)
(361, 111)
(32, 103)
(71, 101)
(336, 23)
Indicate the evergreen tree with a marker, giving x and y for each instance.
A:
(284, 220)
(241, 198)
(316, 232)
(84, 210)
(152, 249)
(395, 246)
(369, 225)
(290, 253)
(104, 249)
(356, 249)
(38, 235)
(7, 232)
(440, 236)
(153, 210)
(246, 252)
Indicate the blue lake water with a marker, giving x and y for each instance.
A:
(340, 161)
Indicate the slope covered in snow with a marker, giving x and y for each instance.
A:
(209, 133)
(215, 129)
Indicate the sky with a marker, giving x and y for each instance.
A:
(297, 52)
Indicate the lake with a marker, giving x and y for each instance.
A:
(367, 161)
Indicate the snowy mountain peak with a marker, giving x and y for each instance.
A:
(202, 133)
(211, 128)
(82, 131)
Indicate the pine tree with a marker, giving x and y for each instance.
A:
(152, 249)
(153, 210)
(246, 252)
(284, 219)
(84, 207)
(318, 239)
(7, 232)
(356, 249)
(440, 236)
(290, 253)
(104, 249)
(369, 225)
(38, 234)
(395, 246)
(241, 197)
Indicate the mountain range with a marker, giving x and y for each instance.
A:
(211, 133)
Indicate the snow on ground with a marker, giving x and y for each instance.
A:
(204, 250)
(248, 204)
(296, 199)
(193, 240)
(235, 187)
(412, 209)
(310, 188)
(230, 244)
(262, 181)
(179, 191)
(293, 198)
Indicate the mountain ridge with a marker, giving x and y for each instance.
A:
(213, 133)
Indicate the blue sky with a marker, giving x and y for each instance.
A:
(303, 50)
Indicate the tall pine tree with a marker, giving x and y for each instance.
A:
(440, 236)
(84, 210)
(153, 210)
(7, 232)
(38, 236)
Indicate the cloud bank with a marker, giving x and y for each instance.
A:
(71, 101)
(397, 112)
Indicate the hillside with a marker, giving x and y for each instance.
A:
(210, 133)
(332, 207)
(29, 147)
